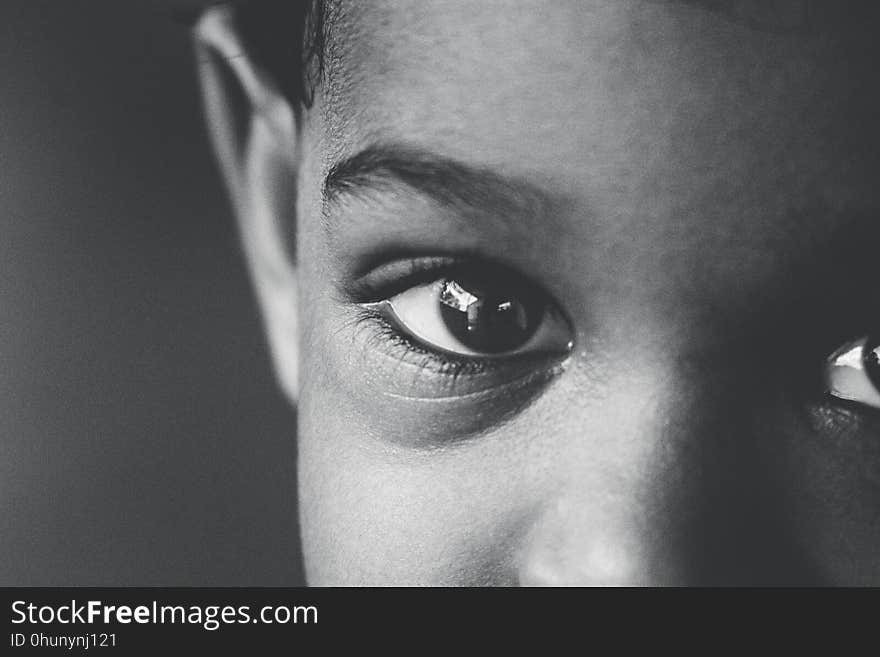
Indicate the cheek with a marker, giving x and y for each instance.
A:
(377, 505)
(831, 468)
(377, 514)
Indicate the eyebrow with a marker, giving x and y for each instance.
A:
(387, 168)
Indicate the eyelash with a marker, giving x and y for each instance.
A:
(395, 341)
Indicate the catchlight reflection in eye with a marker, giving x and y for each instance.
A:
(853, 372)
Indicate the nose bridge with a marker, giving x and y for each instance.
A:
(635, 469)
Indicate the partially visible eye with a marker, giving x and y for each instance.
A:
(479, 315)
(853, 372)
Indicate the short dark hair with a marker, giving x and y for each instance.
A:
(286, 39)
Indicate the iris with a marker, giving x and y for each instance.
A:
(488, 318)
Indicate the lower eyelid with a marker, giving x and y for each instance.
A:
(417, 407)
(409, 351)
(851, 412)
(517, 384)
(434, 376)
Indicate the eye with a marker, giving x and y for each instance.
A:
(853, 372)
(479, 315)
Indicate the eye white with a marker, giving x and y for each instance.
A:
(418, 309)
(846, 377)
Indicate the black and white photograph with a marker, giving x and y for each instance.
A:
(437, 293)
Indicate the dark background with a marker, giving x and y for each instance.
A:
(142, 437)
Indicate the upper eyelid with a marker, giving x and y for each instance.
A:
(396, 275)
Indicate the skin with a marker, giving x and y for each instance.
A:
(696, 197)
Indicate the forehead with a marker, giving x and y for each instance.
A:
(452, 66)
(683, 126)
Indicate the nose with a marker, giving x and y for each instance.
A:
(616, 511)
(573, 545)
(654, 483)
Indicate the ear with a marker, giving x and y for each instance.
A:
(255, 135)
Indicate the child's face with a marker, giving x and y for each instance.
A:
(634, 231)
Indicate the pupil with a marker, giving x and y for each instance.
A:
(488, 318)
